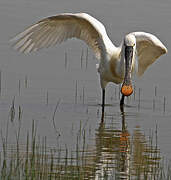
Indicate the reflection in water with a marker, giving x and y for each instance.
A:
(120, 156)
(113, 151)
(145, 157)
(115, 155)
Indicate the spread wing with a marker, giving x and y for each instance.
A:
(56, 29)
(149, 48)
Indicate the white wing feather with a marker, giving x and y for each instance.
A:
(56, 29)
(149, 48)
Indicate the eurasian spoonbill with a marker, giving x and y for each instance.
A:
(137, 51)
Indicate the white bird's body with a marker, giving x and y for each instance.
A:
(146, 48)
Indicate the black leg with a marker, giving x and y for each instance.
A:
(122, 100)
(103, 97)
(103, 104)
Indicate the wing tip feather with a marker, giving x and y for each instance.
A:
(164, 50)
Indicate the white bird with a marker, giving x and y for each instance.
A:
(137, 51)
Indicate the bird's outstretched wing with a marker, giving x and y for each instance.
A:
(56, 29)
(149, 48)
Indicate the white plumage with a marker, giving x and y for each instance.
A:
(56, 29)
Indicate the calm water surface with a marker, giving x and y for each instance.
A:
(38, 83)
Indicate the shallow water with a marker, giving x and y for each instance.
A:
(42, 80)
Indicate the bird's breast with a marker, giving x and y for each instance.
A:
(117, 78)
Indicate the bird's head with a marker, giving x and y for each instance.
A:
(129, 52)
(130, 40)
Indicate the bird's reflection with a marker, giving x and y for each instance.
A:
(113, 149)
(121, 156)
